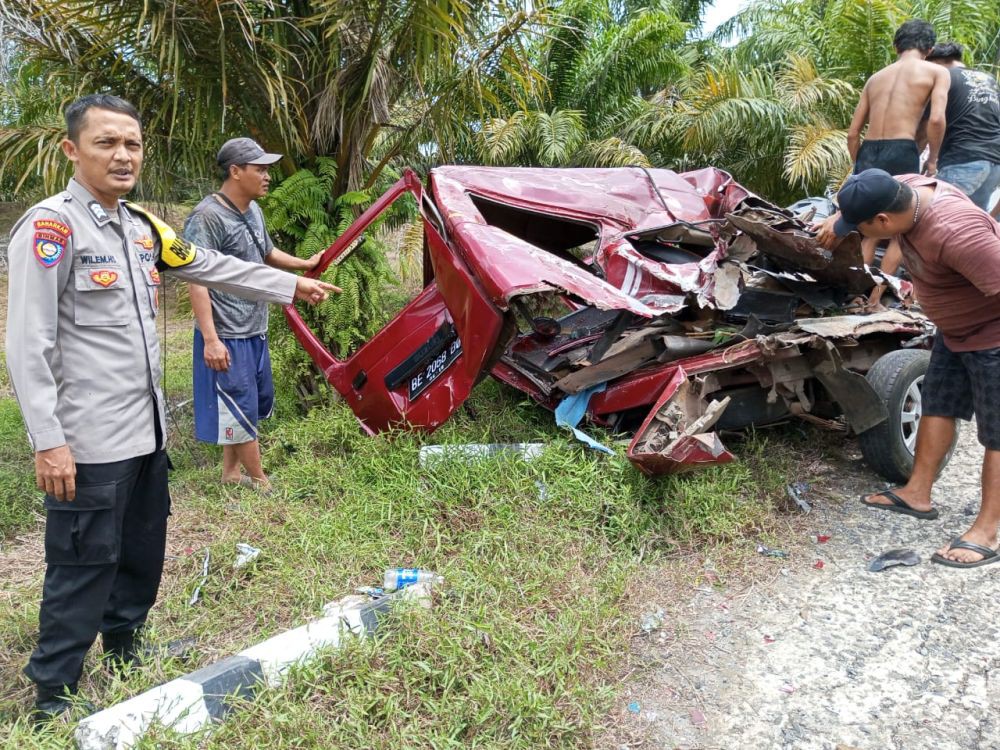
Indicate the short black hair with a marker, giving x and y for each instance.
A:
(75, 111)
(947, 51)
(904, 196)
(914, 34)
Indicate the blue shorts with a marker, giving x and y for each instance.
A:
(228, 405)
(977, 179)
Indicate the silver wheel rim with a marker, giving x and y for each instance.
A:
(909, 415)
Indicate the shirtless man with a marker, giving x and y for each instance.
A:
(892, 105)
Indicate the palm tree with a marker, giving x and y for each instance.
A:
(774, 108)
(599, 59)
(360, 81)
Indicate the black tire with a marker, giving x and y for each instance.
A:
(888, 447)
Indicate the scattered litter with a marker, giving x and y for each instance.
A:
(797, 491)
(768, 552)
(787, 688)
(204, 577)
(819, 565)
(652, 620)
(247, 554)
(399, 578)
(894, 557)
(710, 635)
(821, 538)
(698, 718)
(768, 639)
(527, 451)
(635, 707)
(543, 491)
(373, 591)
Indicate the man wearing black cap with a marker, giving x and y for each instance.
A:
(952, 250)
(233, 389)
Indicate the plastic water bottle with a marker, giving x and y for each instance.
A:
(398, 578)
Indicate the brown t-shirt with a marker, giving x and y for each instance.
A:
(953, 256)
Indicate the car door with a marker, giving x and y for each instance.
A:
(422, 365)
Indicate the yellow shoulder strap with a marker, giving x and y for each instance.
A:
(174, 251)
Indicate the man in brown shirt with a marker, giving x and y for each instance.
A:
(952, 250)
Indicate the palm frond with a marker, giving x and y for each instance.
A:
(815, 153)
(610, 152)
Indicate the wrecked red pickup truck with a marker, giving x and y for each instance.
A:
(668, 306)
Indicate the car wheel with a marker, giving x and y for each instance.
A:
(898, 379)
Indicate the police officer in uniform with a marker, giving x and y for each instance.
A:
(84, 361)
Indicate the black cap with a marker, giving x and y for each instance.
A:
(240, 151)
(864, 195)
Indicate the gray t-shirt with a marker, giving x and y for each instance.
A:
(218, 226)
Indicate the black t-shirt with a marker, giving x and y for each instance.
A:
(973, 119)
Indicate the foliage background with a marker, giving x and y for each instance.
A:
(352, 91)
(369, 85)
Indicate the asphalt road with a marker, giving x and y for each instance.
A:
(831, 656)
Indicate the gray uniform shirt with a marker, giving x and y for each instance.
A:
(82, 349)
(220, 227)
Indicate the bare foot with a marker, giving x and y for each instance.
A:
(262, 483)
(874, 299)
(914, 500)
(967, 555)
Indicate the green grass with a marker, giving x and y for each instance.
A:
(19, 500)
(529, 636)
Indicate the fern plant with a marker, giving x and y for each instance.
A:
(305, 217)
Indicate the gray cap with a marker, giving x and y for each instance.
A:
(242, 151)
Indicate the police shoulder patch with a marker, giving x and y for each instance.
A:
(49, 242)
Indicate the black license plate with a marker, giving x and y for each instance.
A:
(434, 369)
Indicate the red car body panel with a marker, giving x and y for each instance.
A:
(494, 235)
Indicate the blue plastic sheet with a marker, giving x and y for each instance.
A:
(571, 410)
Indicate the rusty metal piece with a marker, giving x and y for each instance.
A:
(790, 244)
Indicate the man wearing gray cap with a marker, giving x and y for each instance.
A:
(233, 389)
(952, 250)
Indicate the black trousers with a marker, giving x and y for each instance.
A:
(104, 558)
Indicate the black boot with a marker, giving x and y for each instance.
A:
(121, 649)
(51, 703)
(128, 648)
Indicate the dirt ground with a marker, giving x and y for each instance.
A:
(822, 654)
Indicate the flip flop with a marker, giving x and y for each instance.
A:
(989, 555)
(899, 506)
